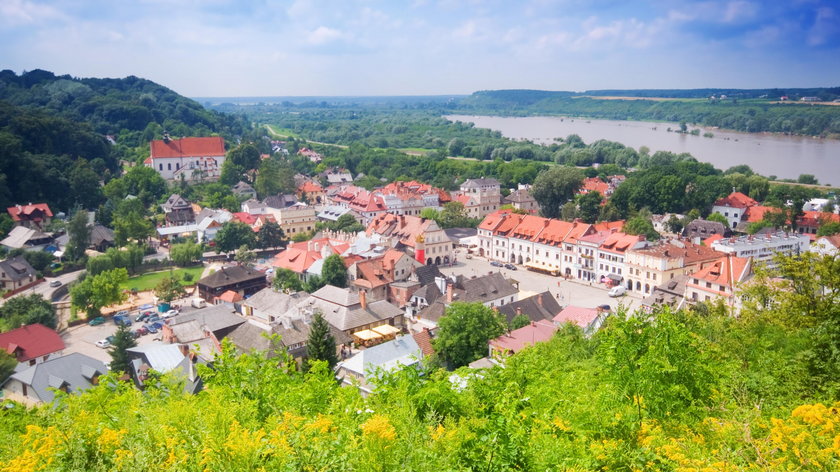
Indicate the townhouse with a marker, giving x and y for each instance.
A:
(646, 268)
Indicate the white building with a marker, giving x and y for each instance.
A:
(190, 158)
(763, 247)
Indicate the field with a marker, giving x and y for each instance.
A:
(150, 280)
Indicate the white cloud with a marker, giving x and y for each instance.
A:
(323, 35)
(21, 12)
(825, 25)
(739, 11)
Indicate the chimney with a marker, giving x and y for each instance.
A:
(518, 311)
(450, 292)
(363, 299)
(539, 299)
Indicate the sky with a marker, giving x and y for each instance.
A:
(243, 48)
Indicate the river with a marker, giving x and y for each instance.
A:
(767, 154)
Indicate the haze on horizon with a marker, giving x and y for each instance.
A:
(228, 48)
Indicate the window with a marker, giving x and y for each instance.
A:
(160, 166)
(169, 166)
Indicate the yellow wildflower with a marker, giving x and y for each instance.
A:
(379, 426)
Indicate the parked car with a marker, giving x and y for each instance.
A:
(143, 316)
(151, 328)
(157, 325)
(617, 291)
(153, 319)
(170, 314)
(605, 307)
(103, 343)
(122, 313)
(141, 331)
(510, 267)
(496, 264)
(55, 283)
(96, 321)
(122, 320)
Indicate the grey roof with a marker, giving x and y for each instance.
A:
(332, 212)
(426, 274)
(160, 357)
(274, 303)
(704, 228)
(486, 288)
(20, 236)
(541, 306)
(242, 188)
(402, 351)
(214, 318)
(255, 336)
(670, 293)
(175, 202)
(100, 234)
(480, 182)
(280, 201)
(188, 332)
(430, 292)
(520, 196)
(460, 233)
(75, 370)
(16, 268)
(251, 336)
(339, 296)
(230, 275)
(170, 230)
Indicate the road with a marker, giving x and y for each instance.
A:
(45, 290)
(566, 292)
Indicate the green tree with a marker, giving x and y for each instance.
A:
(719, 218)
(519, 321)
(95, 292)
(268, 178)
(320, 346)
(245, 256)
(334, 272)
(6, 225)
(674, 224)
(169, 288)
(828, 229)
(84, 185)
(270, 235)
(185, 253)
(554, 187)
(123, 340)
(464, 331)
(569, 211)
(25, 310)
(7, 365)
(641, 226)
(79, 233)
(287, 281)
(234, 234)
(130, 222)
(589, 207)
(808, 179)
(246, 156)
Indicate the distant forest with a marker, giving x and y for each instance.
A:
(740, 110)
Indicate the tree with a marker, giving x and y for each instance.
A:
(123, 340)
(320, 346)
(268, 178)
(519, 321)
(169, 288)
(554, 187)
(233, 235)
(130, 222)
(828, 229)
(808, 179)
(245, 256)
(270, 235)
(569, 211)
(454, 215)
(589, 207)
(674, 224)
(246, 156)
(7, 365)
(186, 253)
(464, 331)
(25, 310)
(79, 233)
(641, 226)
(334, 272)
(719, 218)
(84, 185)
(287, 281)
(95, 292)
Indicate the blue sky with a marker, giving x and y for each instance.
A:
(381, 47)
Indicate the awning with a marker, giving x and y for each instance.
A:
(367, 335)
(385, 330)
(614, 277)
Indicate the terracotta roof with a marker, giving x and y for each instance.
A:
(310, 187)
(757, 212)
(736, 200)
(491, 221)
(708, 241)
(817, 218)
(516, 340)
(834, 240)
(188, 147)
(31, 342)
(619, 242)
(424, 340)
(405, 228)
(27, 212)
(725, 271)
(298, 257)
(529, 227)
(554, 233)
(580, 316)
(594, 184)
(230, 296)
(689, 252)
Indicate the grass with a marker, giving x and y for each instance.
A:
(150, 280)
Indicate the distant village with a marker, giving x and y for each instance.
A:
(402, 272)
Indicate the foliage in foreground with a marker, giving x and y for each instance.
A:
(674, 391)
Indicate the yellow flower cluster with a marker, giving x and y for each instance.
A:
(809, 438)
(41, 446)
(109, 439)
(379, 426)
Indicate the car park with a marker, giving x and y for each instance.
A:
(103, 343)
(96, 321)
(496, 264)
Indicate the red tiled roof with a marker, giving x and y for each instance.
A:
(298, 257)
(724, 271)
(690, 253)
(736, 200)
(246, 218)
(834, 240)
(516, 340)
(715, 237)
(757, 212)
(576, 315)
(619, 242)
(554, 233)
(491, 221)
(529, 227)
(310, 187)
(594, 184)
(230, 296)
(188, 147)
(28, 212)
(424, 340)
(817, 218)
(31, 342)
